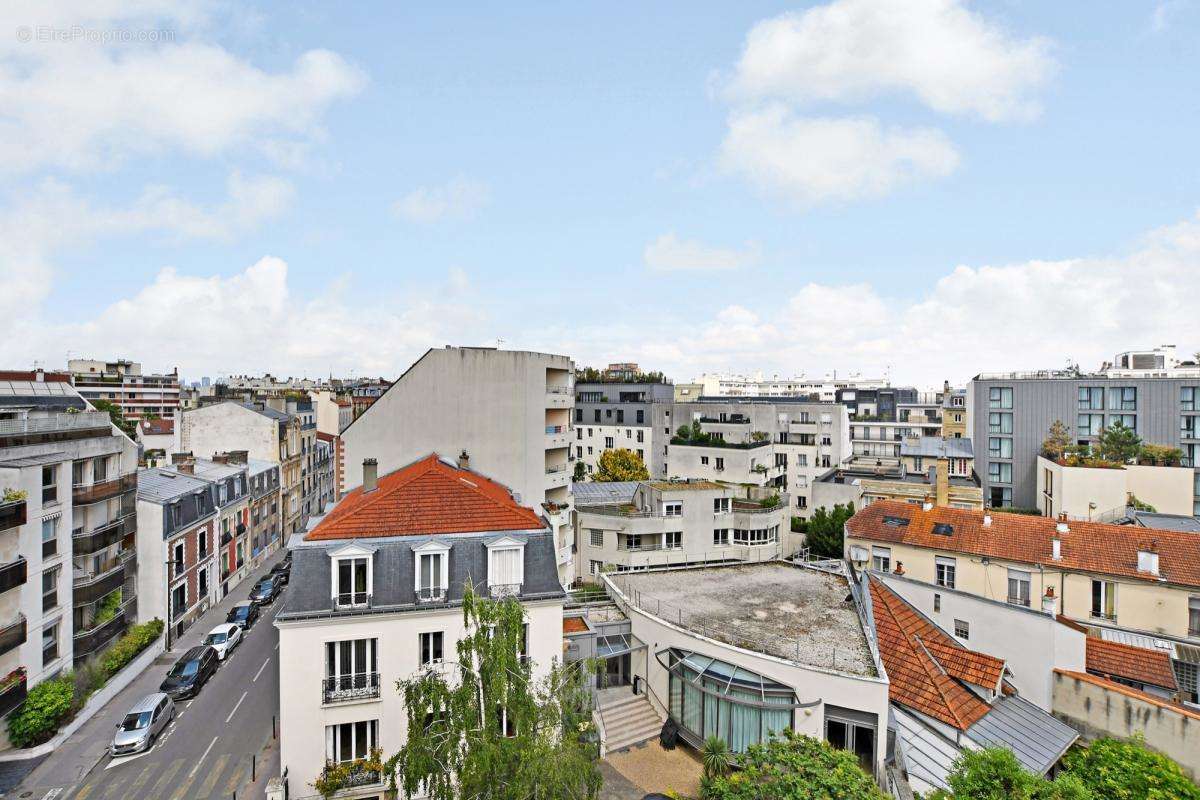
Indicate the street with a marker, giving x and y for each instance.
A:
(211, 748)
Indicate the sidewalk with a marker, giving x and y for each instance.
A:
(81, 752)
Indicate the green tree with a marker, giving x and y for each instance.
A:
(620, 465)
(492, 731)
(580, 471)
(1119, 443)
(1115, 769)
(1056, 443)
(825, 530)
(794, 766)
(995, 774)
(128, 427)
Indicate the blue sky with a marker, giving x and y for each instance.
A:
(930, 188)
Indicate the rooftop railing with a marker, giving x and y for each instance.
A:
(55, 422)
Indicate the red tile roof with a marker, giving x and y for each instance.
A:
(924, 664)
(1118, 660)
(426, 497)
(1086, 547)
(157, 427)
(325, 437)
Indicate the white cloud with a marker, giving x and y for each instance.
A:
(670, 253)
(84, 104)
(456, 199)
(813, 160)
(1161, 17)
(951, 59)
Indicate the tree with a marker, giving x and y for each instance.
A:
(995, 774)
(492, 731)
(1123, 770)
(1119, 444)
(1056, 443)
(580, 471)
(128, 427)
(794, 766)
(620, 465)
(825, 530)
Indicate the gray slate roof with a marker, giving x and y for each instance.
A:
(936, 447)
(1167, 522)
(267, 411)
(592, 493)
(163, 485)
(394, 578)
(1037, 739)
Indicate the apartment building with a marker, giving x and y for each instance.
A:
(882, 419)
(863, 480)
(266, 524)
(67, 530)
(324, 471)
(630, 416)
(232, 481)
(766, 442)
(508, 412)
(644, 524)
(266, 434)
(1126, 583)
(1104, 493)
(956, 416)
(122, 383)
(824, 390)
(1011, 414)
(375, 597)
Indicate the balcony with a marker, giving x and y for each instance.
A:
(13, 574)
(350, 688)
(12, 514)
(12, 690)
(104, 536)
(559, 397)
(90, 587)
(49, 427)
(12, 635)
(91, 640)
(98, 491)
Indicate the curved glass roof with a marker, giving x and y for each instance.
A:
(722, 679)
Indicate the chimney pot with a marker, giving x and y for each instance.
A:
(987, 519)
(464, 460)
(370, 475)
(1062, 528)
(1050, 602)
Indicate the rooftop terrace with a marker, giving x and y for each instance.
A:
(790, 612)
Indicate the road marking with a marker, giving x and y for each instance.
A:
(260, 670)
(53, 793)
(277, 645)
(204, 756)
(160, 787)
(85, 791)
(235, 708)
(235, 780)
(210, 782)
(119, 760)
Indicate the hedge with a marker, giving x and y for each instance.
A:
(126, 649)
(47, 706)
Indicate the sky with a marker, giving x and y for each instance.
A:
(918, 189)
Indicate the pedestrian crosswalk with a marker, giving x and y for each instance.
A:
(176, 780)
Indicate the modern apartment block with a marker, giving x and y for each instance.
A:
(123, 384)
(632, 416)
(508, 412)
(1011, 414)
(376, 596)
(68, 529)
(639, 525)
(824, 390)
(881, 419)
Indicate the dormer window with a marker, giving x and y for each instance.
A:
(352, 582)
(432, 570)
(506, 566)
(1148, 562)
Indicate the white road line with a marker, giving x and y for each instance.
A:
(260, 670)
(53, 793)
(277, 645)
(235, 708)
(192, 774)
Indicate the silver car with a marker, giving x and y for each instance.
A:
(142, 725)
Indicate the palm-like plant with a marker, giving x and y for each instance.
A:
(714, 757)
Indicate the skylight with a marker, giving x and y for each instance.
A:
(895, 522)
(942, 529)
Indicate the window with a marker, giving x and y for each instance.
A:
(999, 447)
(999, 472)
(801, 501)
(1122, 398)
(1104, 599)
(595, 567)
(1000, 496)
(1189, 427)
(596, 537)
(608, 443)
(1089, 425)
(506, 567)
(641, 436)
(847, 729)
(755, 537)
(633, 541)
(1091, 398)
(1194, 616)
(1018, 587)
(641, 417)
(177, 560)
(673, 540)
(672, 509)
(49, 537)
(962, 629)
(720, 505)
(881, 558)
(50, 483)
(620, 416)
(352, 582)
(937, 603)
(999, 422)
(704, 461)
(50, 588)
(944, 571)
(431, 648)
(1128, 420)
(1000, 397)
(720, 464)
(1188, 395)
(350, 741)
(49, 643)
(203, 591)
(721, 537)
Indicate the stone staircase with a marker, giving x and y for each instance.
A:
(628, 721)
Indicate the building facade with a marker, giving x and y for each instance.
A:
(1103, 494)
(630, 416)
(123, 384)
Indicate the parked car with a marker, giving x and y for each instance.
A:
(224, 638)
(191, 672)
(142, 725)
(283, 571)
(265, 591)
(243, 614)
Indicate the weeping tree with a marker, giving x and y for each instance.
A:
(484, 729)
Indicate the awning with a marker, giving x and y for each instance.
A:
(617, 644)
(718, 678)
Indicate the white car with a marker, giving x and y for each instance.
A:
(223, 639)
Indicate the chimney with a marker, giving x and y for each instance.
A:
(943, 481)
(1056, 548)
(987, 520)
(928, 504)
(238, 456)
(187, 467)
(1050, 602)
(464, 460)
(180, 458)
(370, 475)
(220, 458)
(899, 570)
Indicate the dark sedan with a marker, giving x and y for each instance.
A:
(265, 591)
